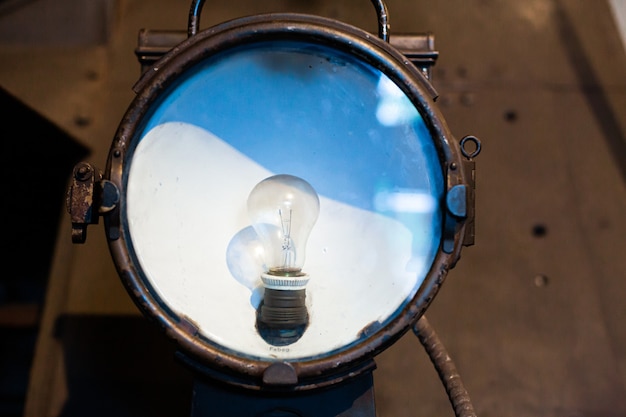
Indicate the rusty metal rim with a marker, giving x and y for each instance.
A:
(230, 366)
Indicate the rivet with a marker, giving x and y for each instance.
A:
(541, 280)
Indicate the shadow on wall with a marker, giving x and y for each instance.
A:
(39, 158)
(121, 366)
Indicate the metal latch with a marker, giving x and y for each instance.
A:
(460, 196)
(88, 196)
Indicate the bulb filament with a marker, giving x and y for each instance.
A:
(288, 252)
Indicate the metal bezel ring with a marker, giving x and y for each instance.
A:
(205, 354)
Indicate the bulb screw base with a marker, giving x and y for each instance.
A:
(284, 309)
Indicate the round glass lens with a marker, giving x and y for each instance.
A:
(304, 110)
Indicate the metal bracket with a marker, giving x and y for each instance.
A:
(469, 166)
(460, 196)
(88, 196)
(419, 48)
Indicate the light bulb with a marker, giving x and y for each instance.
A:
(283, 210)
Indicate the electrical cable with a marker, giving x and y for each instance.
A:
(448, 374)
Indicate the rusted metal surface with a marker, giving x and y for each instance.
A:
(88, 197)
(82, 200)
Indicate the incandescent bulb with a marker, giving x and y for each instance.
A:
(283, 209)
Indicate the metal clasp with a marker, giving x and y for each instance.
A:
(460, 197)
(88, 196)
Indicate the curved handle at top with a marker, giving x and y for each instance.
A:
(383, 19)
(379, 5)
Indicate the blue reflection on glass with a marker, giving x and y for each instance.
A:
(317, 113)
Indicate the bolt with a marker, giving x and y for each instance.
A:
(83, 172)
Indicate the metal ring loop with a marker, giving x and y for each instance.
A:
(379, 5)
(475, 152)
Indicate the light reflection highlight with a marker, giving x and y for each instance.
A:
(405, 201)
(394, 107)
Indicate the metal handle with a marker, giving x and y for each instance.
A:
(379, 5)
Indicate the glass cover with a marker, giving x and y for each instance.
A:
(293, 108)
